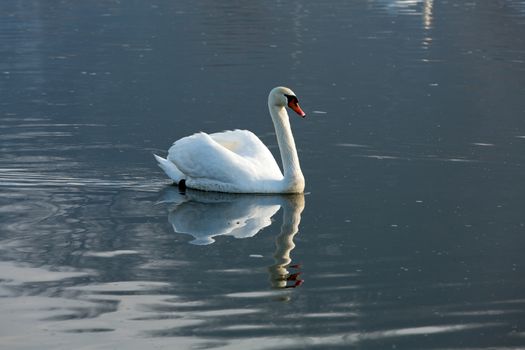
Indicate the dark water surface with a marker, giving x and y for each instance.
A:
(411, 233)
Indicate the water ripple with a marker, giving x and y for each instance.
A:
(19, 177)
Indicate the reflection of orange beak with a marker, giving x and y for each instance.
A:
(295, 107)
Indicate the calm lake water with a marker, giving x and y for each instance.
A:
(410, 234)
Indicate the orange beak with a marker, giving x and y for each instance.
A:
(295, 107)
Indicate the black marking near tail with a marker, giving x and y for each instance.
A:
(182, 185)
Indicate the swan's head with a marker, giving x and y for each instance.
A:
(282, 96)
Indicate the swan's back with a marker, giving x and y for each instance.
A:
(246, 144)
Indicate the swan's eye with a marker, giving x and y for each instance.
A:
(292, 100)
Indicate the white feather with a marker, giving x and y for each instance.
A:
(170, 169)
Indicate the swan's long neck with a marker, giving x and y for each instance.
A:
(291, 168)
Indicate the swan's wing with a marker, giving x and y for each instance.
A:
(199, 157)
(246, 144)
(203, 159)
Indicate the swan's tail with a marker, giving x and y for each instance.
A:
(170, 169)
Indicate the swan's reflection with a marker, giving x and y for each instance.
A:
(280, 276)
(206, 215)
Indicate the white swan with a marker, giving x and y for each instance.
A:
(237, 161)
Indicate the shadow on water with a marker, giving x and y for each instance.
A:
(205, 215)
